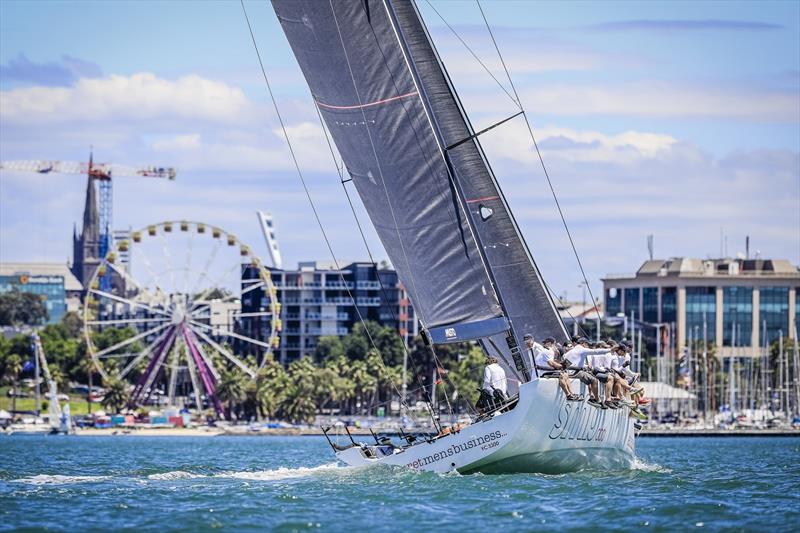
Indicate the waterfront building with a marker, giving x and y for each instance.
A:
(55, 282)
(316, 301)
(733, 303)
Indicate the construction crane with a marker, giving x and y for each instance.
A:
(102, 173)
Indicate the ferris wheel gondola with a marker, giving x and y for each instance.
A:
(176, 304)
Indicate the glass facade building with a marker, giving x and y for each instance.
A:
(632, 303)
(650, 304)
(613, 301)
(669, 305)
(740, 302)
(701, 308)
(737, 312)
(50, 288)
(774, 313)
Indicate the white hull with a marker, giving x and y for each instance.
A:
(543, 433)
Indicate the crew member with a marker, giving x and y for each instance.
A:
(576, 358)
(494, 378)
(548, 367)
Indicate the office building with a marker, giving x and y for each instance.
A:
(59, 288)
(733, 303)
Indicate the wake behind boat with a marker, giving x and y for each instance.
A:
(417, 163)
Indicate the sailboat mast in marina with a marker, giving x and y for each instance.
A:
(422, 175)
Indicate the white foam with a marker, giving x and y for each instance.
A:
(283, 473)
(43, 479)
(644, 466)
(177, 474)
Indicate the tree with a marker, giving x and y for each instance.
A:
(230, 389)
(299, 406)
(73, 323)
(355, 345)
(343, 386)
(13, 368)
(87, 367)
(116, 395)
(22, 308)
(328, 347)
(391, 346)
(466, 375)
(271, 387)
(365, 383)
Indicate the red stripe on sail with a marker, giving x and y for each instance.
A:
(484, 199)
(370, 104)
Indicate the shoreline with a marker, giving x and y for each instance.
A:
(360, 432)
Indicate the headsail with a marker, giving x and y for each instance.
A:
(388, 104)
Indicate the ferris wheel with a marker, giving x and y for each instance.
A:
(175, 304)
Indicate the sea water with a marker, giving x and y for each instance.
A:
(294, 484)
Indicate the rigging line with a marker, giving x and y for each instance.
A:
(340, 170)
(305, 187)
(516, 101)
(539, 154)
(565, 307)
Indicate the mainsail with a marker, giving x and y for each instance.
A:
(406, 142)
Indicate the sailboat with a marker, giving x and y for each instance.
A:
(417, 163)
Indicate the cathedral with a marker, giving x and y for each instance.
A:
(86, 246)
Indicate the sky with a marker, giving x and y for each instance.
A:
(676, 119)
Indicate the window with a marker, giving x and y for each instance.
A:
(737, 312)
(613, 301)
(669, 305)
(774, 311)
(632, 303)
(701, 308)
(650, 304)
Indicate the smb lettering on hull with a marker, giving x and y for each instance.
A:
(484, 442)
(583, 422)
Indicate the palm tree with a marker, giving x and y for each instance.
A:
(87, 367)
(299, 406)
(271, 384)
(14, 367)
(230, 390)
(364, 382)
(116, 395)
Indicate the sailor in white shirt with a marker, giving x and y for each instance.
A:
(494, 377)
(626, 378)
(544, 358)
(600, 363)
(577, 360)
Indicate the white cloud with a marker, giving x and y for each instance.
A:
(140, 97)
(663, 99)
(513, 142)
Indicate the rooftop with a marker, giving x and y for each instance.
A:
(727, 267)
(71, 283)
